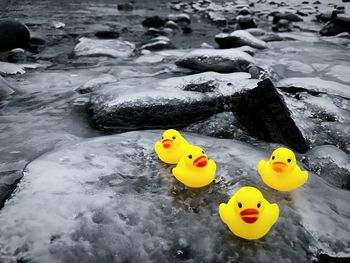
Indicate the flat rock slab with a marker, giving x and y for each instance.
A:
(102, 47)
(174, 102)
(218, 60)
(111, 199)
(146, 103)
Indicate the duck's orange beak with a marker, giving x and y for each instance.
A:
(167, 143)
(250, 215)
(279, 166)
(201, 161)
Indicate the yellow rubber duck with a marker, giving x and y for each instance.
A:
(194, 169)
(248, 214)
(172, 147)
(281, 172)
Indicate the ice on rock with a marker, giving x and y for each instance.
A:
(340, 72)
(163, 103)
(10, 69)
(110, 198)
(239, 38)
(330, 163)
(315, 85)
(219, 60)
(102, 47)
(5, 88)
(323, 119)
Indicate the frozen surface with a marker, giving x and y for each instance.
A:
(316, 85)
(219, 60)
(330, 163)
(98, 47)
(155, 91)
(10, 69)
(5, 88)
(94, 195)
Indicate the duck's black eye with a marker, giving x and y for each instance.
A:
(190, 156)
(162, 137)
(289, 160)
(174, 137)
(258, 205)
(239, 205)
(273, 157)
(203, 152)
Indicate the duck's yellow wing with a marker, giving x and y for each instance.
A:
(223, 212)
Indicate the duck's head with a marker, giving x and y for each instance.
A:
(282, 160)
(195, 157)
(171, 139)
(248, 203)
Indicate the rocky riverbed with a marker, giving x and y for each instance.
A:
(239, 78)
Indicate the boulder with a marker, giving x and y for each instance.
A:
(330, 163)
(154, 21)
(13, 35)
(174, 102)
(36, 44)
(99, 47)
(219, 60)
(246, 21)
(338, 24)
(178, 102)
(239, 38)
(111, 199)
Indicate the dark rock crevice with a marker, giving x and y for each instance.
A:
(263, 112)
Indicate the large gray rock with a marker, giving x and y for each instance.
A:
(110, 200)
(338, 23)
(174, 102)
(223, 61)
(177, 102)
(331, 163)
(13, 35)
(239, 38)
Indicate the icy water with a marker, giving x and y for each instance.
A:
(47, 113)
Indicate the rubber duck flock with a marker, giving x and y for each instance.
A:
(247, 214)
